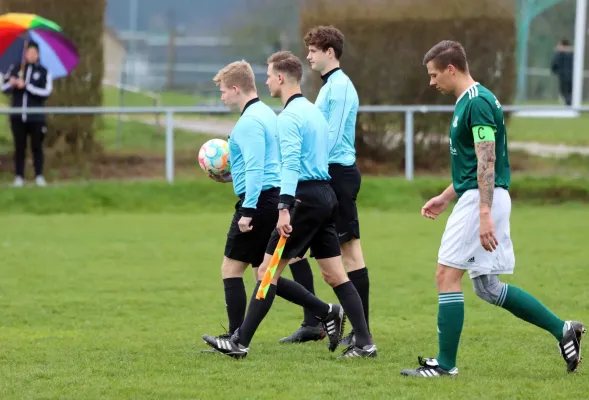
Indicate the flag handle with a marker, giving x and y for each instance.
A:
(271, 270)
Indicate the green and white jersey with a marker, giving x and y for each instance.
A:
(478, 116)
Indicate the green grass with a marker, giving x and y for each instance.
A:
(572, 165)
(113, 306)
(112, 98)
(569, 131)
(138, 137)
(131, 137)
(200, 194)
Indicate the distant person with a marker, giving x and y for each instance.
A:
(31, 88)
(562, 67)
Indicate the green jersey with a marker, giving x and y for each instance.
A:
(477, 115)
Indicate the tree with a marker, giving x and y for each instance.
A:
(82, 22)
(265, 28)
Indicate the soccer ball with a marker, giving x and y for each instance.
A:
(213, 157)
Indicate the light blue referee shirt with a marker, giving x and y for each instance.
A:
(254, 153)
(338, 101)
(304, 144)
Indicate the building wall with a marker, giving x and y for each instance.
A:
(114, 56)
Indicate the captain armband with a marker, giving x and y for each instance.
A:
(483, 133)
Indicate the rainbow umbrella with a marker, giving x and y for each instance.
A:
(56, 52)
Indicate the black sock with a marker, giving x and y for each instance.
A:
(297, 294)
(256, 312)
(350, 301)
(360, 280)
(235, 301)
(302, 274)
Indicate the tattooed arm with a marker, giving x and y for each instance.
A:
(486, 173)
(484, 142)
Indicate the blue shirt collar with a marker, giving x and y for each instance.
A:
(291, 98)
(327, 75)
(249, 103)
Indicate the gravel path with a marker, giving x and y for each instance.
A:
(224, 127)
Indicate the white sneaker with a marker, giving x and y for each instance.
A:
(18, 182)
(40, 181)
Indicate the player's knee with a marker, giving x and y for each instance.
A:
(352, 256)
(255, 273)
(261, 271)
(488, 287)
(441, 276)
(232, 268)
(334, 276)
(329, 277)
(448, 279)
(333, 271)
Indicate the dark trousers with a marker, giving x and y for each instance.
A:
(566, 90)
(20, 132)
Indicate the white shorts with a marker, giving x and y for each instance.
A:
(461, 246)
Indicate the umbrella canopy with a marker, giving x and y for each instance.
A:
(56, 53)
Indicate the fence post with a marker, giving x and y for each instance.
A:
(409, 145)
(169, 146)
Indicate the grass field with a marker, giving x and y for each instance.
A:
(112, 304)
(112, 98)
(570, 131)
(138, 137)
(132, 137)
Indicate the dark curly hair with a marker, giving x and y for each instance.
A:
(324, 37)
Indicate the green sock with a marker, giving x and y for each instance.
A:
(450, 321)
(525, 306)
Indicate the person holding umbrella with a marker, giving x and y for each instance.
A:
(30, 86)
(43, 53)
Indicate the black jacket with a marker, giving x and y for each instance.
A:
(38, 87)
(562, 64)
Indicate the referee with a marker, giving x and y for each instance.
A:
(29, 87)
(303, 135)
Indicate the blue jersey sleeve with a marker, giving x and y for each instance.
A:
(291, 140)
(252, 144)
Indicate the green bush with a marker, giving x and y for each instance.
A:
(383, 55)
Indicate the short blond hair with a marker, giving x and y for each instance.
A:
(238, 73)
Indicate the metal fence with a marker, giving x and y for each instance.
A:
(409, 112)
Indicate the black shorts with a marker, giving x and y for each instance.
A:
(345, 181)
(313, 226)
(250, 247)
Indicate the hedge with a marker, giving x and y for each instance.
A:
(385, 42)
